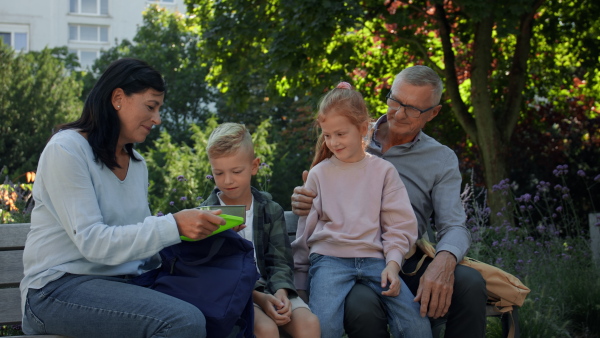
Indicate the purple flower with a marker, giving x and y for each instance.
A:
(171, 203)
(565, 196)
(597, 178)
(581, 173)
(199, 198)
(159, 214)
(209, 177)
(495, 243)
(502, 185)
(561, 170)
(559, 208)
(180, 178)
(499, 214)
(183, 198)
(174, 190)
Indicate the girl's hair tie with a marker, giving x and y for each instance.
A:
(344, 85)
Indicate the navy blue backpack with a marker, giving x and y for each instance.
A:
(217, 275)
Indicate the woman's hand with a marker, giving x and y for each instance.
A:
(198, 224)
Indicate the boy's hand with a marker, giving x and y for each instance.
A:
(286, 309)
(390, 273)
(270, 305)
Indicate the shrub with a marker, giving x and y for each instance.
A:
(548, 249)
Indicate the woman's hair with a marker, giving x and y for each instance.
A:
(99, 118)
(227, 139)
(345, 101)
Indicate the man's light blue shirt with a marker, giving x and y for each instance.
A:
(430, 173)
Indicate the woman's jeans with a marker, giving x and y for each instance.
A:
(97, 306)
(330, 280)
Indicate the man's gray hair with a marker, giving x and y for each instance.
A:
(422, 76)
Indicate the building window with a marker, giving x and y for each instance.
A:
(86, 57)
(89, 7)
(88, 33)
(15, 36)
(163, 1)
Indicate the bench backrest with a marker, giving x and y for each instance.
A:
(291, 223)
(12, 242)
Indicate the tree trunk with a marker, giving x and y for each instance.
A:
(490, 139)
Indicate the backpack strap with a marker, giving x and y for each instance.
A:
(419, 264)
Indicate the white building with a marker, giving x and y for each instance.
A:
(85, 26)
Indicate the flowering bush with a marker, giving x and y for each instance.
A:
(178, 172)
(548, 248)
(16, 200)
(187, 194)
(263, 177)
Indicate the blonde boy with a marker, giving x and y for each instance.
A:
(276, 302)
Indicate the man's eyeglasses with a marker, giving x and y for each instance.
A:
(409, 110)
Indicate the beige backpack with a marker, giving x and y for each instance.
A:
(504, 290)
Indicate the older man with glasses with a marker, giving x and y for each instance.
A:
(448, 292)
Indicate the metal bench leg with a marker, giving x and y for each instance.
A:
(511, 321)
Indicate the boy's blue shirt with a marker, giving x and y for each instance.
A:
(271, 243)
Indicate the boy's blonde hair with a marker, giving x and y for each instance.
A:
(227, 139)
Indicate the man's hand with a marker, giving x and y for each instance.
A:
(436, 286)
(302, 198)
(390, 273)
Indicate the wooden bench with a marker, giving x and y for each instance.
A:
(291, 221)
(12, 242)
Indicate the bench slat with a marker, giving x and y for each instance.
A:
(10, 311)
(291, 223)
(13, 235)
(11, 263)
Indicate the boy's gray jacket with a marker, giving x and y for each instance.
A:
(271, 243)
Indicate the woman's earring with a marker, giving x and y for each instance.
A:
(118, 107)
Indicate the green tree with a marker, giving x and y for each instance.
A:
(494, 56)
(178, 172)
(37, 92)
(168, 42)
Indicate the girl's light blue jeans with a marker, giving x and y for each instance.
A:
(95, 306)
(330, 280)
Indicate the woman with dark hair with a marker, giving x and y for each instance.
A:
(91, 228)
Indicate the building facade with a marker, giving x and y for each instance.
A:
(86, 27)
